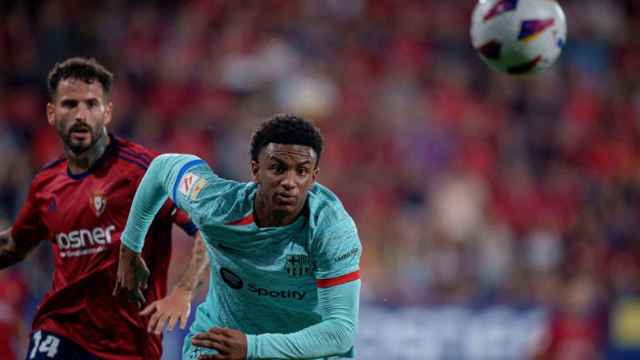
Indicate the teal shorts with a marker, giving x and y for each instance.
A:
(192, 352)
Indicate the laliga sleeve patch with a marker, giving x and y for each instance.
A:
(187, 183)
(197, 188)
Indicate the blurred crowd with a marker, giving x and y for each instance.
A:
(468, 186)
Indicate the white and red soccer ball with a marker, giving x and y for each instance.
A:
(518, 36)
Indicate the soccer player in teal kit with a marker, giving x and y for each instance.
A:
(284, 253)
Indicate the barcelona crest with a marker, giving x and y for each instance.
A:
(297, 265)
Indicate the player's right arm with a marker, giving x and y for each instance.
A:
(9, 254)
(167, 176)
(26, 233)
(176, 306)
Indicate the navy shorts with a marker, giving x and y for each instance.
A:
(44, 345)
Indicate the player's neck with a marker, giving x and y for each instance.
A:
(264, 216)
(79, 163)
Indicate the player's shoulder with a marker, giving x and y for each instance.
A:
(53, 165)
(50, 170)
(131, 154)
(134, 148)
(326, 211)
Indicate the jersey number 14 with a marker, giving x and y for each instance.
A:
(49, 346)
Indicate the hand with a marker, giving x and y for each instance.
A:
(231, 344)
(173, 307)
(132, 276)
(6, 241)
(9, 253)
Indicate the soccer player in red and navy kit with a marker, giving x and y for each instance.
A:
(80, 203)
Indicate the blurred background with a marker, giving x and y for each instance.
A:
(498, 215)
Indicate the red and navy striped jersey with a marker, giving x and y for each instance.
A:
(82, 216)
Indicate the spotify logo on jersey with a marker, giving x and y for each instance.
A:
(231, 279)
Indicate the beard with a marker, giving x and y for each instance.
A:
(81, 137)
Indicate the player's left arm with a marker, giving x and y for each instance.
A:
(336, 258)
(150, 196)
(176, 306)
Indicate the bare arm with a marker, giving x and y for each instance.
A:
(191, 279)
(10, 252)
(177, 305)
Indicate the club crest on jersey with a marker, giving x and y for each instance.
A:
(297, 265)
(98, 203)
(187, 183)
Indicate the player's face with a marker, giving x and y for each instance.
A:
(284, 174)
(79, 112)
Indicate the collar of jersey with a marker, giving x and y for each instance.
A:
(110, 148)
(294, 226)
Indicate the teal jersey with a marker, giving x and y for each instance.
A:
(263, 279)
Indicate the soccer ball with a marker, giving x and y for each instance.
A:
(518, 36)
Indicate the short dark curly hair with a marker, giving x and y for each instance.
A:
(87, 70)
(286, 129)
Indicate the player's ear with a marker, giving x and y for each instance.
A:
(108, 112)
(314, 173)
(255, 170)
(51, 114)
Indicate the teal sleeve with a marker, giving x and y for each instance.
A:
(334, 335)
(336, 250)
(158, 182)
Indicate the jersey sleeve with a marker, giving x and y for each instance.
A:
(336, 254)
(204, 195)
(169, 212)
(185, 179)
(29, 229)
